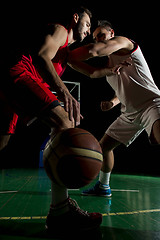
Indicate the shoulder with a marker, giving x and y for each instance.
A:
(125, 42)
(58, 33)
(58, 27)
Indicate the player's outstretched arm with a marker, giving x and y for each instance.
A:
(94, 72)
(101, 49)
(77, 57)
(90, 71)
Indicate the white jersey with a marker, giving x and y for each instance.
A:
(134, 87)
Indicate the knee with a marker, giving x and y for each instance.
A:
(4, 141)
(155, 133)
(105, 147)
(108, 144)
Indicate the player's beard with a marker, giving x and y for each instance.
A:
(78, 32)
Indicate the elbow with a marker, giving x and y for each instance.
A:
(93, 53)
(38, 58)
(93, 74)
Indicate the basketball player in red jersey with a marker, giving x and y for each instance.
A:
(27, 92)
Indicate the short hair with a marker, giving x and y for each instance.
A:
(105, 24)
(67, 17)
(81, 10)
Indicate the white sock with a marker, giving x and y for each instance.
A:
(104, 178)
(59, 197)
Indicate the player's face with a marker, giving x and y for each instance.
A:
(102, 34)
(83, 27)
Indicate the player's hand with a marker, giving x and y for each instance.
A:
(106, 105)
(117, 69)
(72, 106)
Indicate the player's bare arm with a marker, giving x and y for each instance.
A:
(100, 49)
(107, 105)
(119, 45)
(43, 62)
(95, 72)
(90, 71)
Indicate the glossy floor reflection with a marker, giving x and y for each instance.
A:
(133, 211)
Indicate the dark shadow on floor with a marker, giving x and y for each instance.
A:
(10, 229)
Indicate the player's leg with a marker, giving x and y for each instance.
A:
(102, 188)
(58, 120)
(4, 139)
(122, 130)
(108, 144)
(151, 122)
(64, 212)
(8, 121)
(155, 132)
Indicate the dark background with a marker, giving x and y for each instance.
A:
(135, 20)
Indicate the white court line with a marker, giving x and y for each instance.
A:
(124, 190)
(73, 189)
(8, 192)
(114, 190)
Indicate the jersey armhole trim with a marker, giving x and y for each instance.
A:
(135, 47)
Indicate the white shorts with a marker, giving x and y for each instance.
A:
(126, 128)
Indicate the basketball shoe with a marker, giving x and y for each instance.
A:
(98, 190)
(72, 220)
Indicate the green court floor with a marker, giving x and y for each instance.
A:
(133, 211)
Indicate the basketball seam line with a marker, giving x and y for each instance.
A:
(72, 155)
(79, 152)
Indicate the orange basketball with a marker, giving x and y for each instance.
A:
(73, 158)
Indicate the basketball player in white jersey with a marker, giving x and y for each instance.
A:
(134, 88)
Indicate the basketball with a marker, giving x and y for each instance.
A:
(73, 158)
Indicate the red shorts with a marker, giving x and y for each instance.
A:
(27, 95)
(8, 118)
